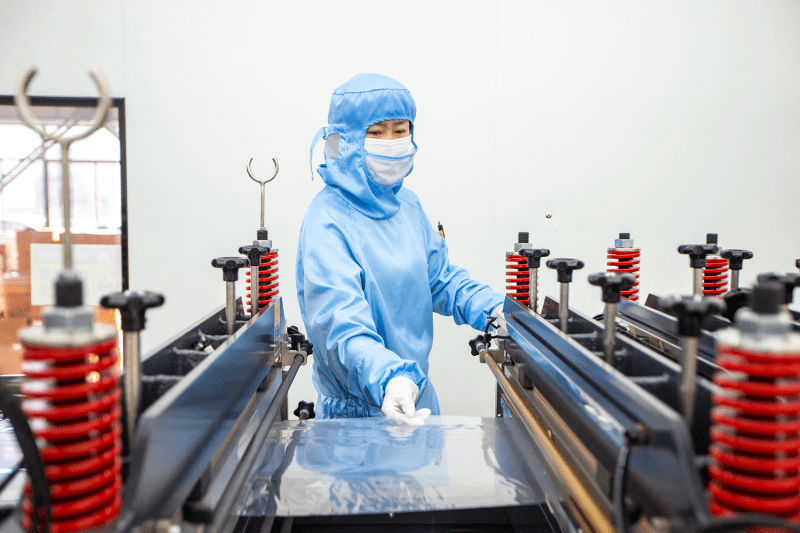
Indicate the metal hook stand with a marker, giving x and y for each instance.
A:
(262, 183)
(24, 109)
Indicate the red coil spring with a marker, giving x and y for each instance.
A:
(755, 436)
(715, 276)
(267, 279)
(626, 260)
(72, 400)
(517, 278)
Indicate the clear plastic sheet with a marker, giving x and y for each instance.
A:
(367, 466)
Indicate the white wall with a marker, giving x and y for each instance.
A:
(664, 120)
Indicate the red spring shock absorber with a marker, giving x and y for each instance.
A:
(624, 258)
(72, 399)
(755, 436)
(715, 274)
(267, 280)
(517, 275)
(517, 278)
(267, 273)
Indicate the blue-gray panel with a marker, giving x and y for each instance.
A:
(178, 435)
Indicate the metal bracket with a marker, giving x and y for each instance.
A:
(497, 354)
(285, 356)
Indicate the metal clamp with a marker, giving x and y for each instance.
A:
(479, 348)
(284, 356)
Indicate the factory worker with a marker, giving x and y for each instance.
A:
(371, 268)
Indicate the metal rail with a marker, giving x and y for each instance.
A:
(584, 506)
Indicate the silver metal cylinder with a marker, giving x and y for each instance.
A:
(734, 280)
(254, 292)
(262, 206)
(688, 384)
(698, 281)
(230, 306)
(132, 380)
(563, 307)
(609, 340)
(66, 207)
(533, 288)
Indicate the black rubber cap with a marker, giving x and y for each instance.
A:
(697, 253)
(230, 266)
(767, 297)
(534, 256)
(690, 311)
(132, 306)
(565, 268)
(522, 237)
(254, 253)
(712, 238)
(624, 235)
(69, 290)
(736, 257)
(262, 234)
(612, 283)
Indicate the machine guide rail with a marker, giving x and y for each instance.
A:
(610, 421)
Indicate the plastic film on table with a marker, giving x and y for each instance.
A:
(368, 466)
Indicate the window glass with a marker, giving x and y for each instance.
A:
(31, 223)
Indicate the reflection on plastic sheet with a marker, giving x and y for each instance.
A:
(367, 466)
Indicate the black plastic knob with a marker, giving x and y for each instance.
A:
(476, 345)
(254, 253)
(534, 257)
(305, 410)
(767, 297)
(565, 268)
(612, 283)
(132, 306)
(230, 266)
(262, 234)
(712, 238)
(697, 253)
(298, 340)
(690, 311)
(522, 237)
(797, 263)
(735, 300)
(788, 281)
(736, 257)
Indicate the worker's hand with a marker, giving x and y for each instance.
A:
(399, 402)
(499, 329)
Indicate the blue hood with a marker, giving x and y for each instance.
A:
(355, 105)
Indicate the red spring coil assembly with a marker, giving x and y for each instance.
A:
(267, 279)
(517, 278)
(715, 276)
(626, 260)
(72, 399)
(755, 436)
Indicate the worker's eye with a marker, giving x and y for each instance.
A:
(401, 131)
(373, 132)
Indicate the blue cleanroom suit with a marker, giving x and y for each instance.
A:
(371, 268)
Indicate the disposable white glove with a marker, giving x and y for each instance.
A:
(399, 402)
(499, 322)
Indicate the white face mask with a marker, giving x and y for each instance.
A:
(389, 161)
